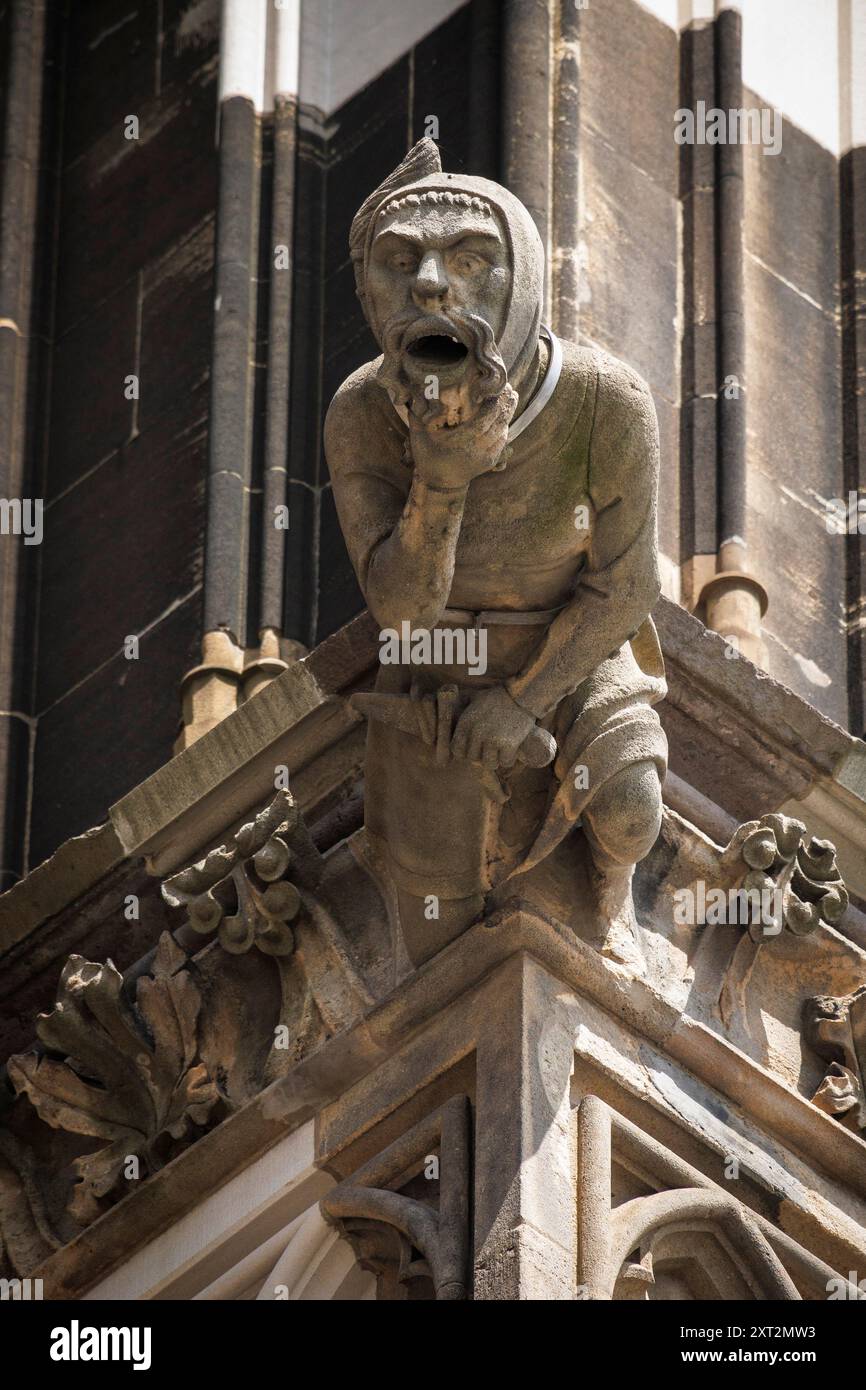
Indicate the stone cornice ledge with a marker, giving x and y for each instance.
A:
(823, 766)
(423, 1001)
(193, 799)
(779, 718)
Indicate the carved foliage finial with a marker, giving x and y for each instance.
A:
(782, 859)
(128, 1074)
(243, 891)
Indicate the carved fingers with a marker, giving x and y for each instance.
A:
(491, 730)
(449, 450)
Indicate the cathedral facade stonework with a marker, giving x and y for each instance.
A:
(492, 925)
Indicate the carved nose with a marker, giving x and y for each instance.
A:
(431, 281)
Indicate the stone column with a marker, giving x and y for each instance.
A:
(27, 40)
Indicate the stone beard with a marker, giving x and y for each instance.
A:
(487, 477)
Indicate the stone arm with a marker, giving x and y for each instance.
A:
(619, 584)
(402, 547)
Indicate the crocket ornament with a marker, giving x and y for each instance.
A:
(496, 489)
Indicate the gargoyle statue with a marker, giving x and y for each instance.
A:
(497, 493)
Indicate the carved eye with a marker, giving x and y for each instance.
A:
(468, 263)
(404, 261)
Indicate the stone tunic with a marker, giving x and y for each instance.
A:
(568, 525)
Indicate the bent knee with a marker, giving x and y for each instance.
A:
(626, 815)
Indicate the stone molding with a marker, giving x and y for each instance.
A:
(742, 1254)
(438, 1014)
(795, 752)
(387, 1228)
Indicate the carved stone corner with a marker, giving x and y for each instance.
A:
(791, 877)
(127, 1073)
(249, 890)
(704, 1239)
(402, 1238)
(836, 1029)
(688, 1238)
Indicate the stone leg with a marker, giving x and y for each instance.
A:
(621, 825)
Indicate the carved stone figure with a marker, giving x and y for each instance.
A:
(497, 493)
(836, 1028)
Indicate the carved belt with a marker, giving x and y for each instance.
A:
(492, 617)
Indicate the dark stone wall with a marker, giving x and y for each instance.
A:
(648, 281)
(124, 479)
(32, 47)
(852, 237)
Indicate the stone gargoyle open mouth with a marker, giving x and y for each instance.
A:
(433, 342)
